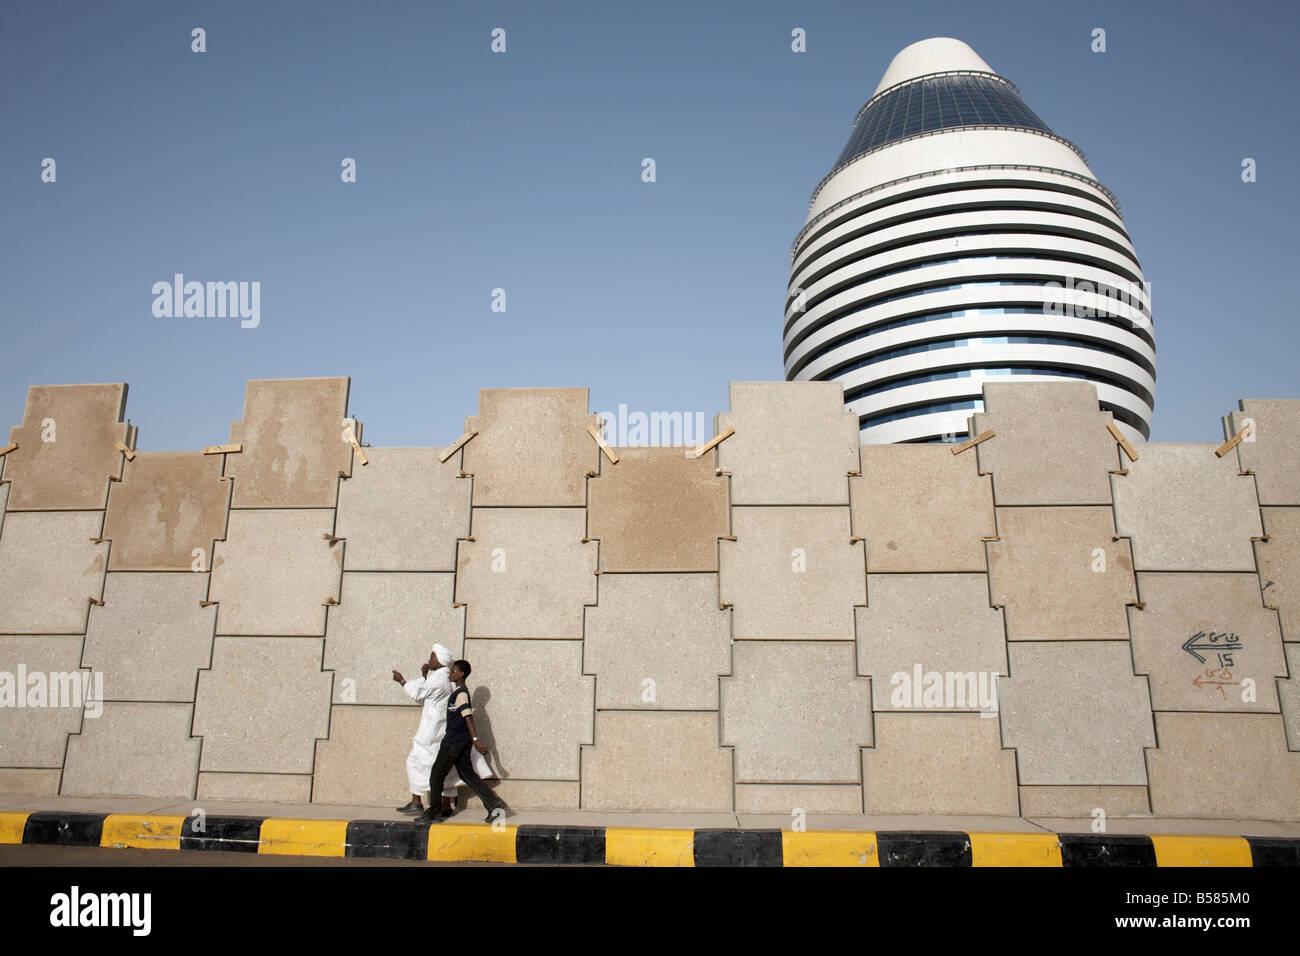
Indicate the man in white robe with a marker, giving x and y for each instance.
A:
(432, 690)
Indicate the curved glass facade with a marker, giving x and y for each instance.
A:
(939, 102)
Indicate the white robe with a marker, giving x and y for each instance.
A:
(433, 691)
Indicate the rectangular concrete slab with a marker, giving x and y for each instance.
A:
(166, 512)
(36, 783)
(1187, 510)
(532, 448)
(49, 571)
(1279, 567)
(1288, 692)
(43, 674)
(294, 442)
(657, 510)
(527, 573)
(134, 749)
(151, 636)
(921, 508)
(1207, 643)
(1232, 766)
(403, 511)
(262, 787)
(939, 763)
(364, 760)
(1050, 445)
(386, 622)
(924, 624)
(666, 660)
(790, 799)
(638, 760)
(533, 706)
(1271, 447)
(1084, 802)
(796, 712)
(275, 572)
(1076, 714)
(67, 447)
(794, 443)
(792, 573)
(1061, 575)
(263, 705)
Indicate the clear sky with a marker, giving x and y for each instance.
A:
(522, 171)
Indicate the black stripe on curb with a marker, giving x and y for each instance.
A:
(1106, 850)
(64, 829)
(232, 834)
(387, 839)
(923, 848)
(543, 844)
(738, 848)
(1274, 851)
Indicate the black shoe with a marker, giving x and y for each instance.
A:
(447, 814)
(492, 814)
(431, 815)
(411, 808)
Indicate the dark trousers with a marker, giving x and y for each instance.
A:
(455, 753)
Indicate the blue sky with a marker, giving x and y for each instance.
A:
(522, 171)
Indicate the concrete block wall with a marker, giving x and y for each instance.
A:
(1035, 625)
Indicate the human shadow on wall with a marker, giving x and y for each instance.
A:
(479, 698)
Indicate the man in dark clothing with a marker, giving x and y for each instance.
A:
(454, 751)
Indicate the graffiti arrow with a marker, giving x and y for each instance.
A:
(1200, 641)
(1200, 682)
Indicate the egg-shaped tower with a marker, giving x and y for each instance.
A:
(958, 239)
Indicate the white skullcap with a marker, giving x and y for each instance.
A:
(445, 656)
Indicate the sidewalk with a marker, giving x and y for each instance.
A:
(645, 839)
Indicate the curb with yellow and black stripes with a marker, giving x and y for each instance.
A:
(626, 846)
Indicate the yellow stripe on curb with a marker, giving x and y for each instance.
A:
(1174, 850)
(829, 848)
(11, 826)
(627, 846)
(454, 842)
(284, 837)
(142, 831)
(1015, 849)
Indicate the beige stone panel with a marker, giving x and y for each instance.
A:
(256, 787)
(70, 472)
(30, 783)
(1213, 612)
(363, 763)
(292, 444)
(939, 763)
(1076, 714)
(1042, 571)
(386, 622)
(263, 705)
(796, 713)
(275, 572)
(1051, 445)
(49, 570)
(1230, 766)
(527, 573)
(133, 750)
(1187, 510)
(533, 706)
(663, 628)
(532, 448)
(151, 636)
(656, 761)
(41, 671)
(537, 794)
(794, 443)
(658, 510)
(941, 622)
(792, 573)
(1279, 567)
(1289, 696)
(1082, 802)
(403, 511)
(1275, 450)
(168, 504)
(922, 509)
(787, 798)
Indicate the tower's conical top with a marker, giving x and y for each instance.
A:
(935, 55)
